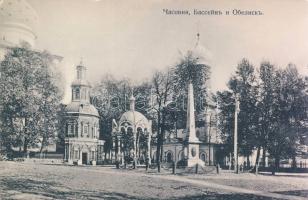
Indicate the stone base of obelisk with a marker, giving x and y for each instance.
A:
(192, 149)
(193, 162)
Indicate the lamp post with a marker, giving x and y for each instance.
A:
(237, 109)
(209, 119)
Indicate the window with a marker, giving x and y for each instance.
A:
(79, 74)
(169, 157)
(95, 131)
(67, 129)
(92, 155)
(81, 128)
(77, 94)
(76, 154)
(86, 130)
(198, 134)
(71, 129)
(76, 130)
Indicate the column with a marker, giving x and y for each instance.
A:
(135, 149)
(149, 147)
(65, 152)
(119, 149)
(114, 149)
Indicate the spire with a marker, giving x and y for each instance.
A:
(81, 61)
(198, 39)
(132, 102)
(198, 33)
(81, 70)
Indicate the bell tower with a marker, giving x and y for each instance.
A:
(80, 86)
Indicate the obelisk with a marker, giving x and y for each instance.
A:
(191, 145)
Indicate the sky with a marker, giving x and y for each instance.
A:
(133, 38)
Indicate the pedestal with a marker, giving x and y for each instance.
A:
(193, 155)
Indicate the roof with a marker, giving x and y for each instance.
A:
(82, 108)
(134, 118)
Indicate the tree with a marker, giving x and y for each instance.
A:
(268, 105)
(272, 111)
(190, 69)
(162, 88)
(111, 98)
(289, 114)
(29, 91)
(244, 83)
(226, 104)
(49, 101)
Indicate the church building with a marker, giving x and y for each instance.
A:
(82, 144)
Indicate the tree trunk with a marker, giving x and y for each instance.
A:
(263, 155)
(277, 162)
(162, 132)
(158, 154)
(25, 146)
(294, 162)
(275, 166)
(42, 147)
(257, 160)
(25, 136)
(158, 144)
(43, 144)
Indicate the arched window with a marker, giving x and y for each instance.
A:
(67, 129)
(76, 130)
(81, 129)
(203, 157)
(198, 134)
(86, 130)
(70, 129)
(95, 131)
(169, 157)
(181, 155)
(77, 94)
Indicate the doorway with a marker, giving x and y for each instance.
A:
(84, 158)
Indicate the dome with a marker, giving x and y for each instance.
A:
(134, 118)
(77, 107)
(17, 21)
(201, 53)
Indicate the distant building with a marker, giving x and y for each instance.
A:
(82, 144)
(18, 21)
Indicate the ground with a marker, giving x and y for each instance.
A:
(28, 180)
